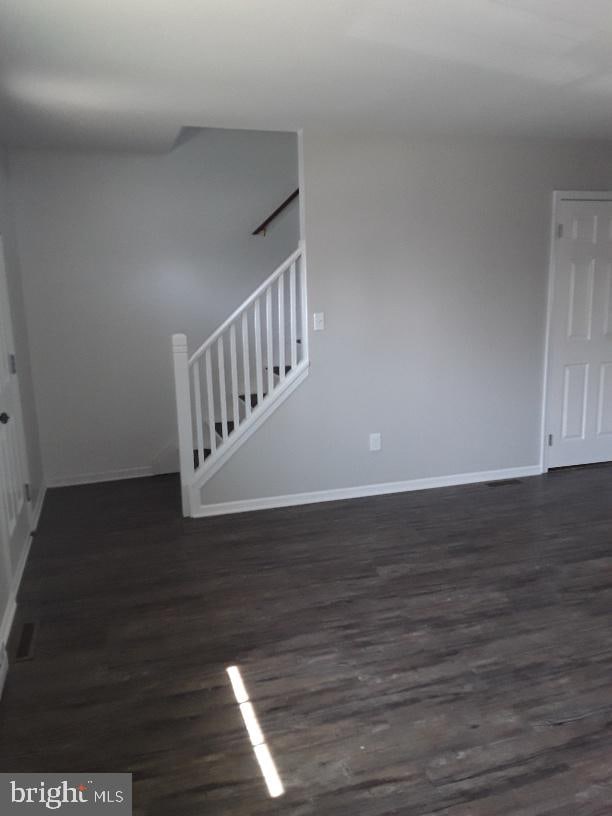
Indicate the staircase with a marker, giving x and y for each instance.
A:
(238, 377)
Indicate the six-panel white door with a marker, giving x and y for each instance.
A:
(14, 506)
(579, 392)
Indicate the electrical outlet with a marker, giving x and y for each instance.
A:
(375, 442)
(318, 321)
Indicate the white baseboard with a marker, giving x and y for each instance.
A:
(37, 509)
(4, 667)
(6, 623)
(361, 491)
(7, 620)
(21, 568)
(11, 607)
(102, 476)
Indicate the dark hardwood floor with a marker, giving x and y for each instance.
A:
(445, 652)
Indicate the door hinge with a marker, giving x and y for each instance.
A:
(28, 492)
(12, 364)
(550, 440)
(559, 230)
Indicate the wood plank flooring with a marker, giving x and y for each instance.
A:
(445, 652)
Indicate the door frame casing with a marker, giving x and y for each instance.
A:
(5, 546)
(557, 197)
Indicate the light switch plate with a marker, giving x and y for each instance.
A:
(375, 442)
(318, 321)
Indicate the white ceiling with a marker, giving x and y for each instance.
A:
(131, 73)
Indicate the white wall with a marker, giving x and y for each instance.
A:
(119, 252)
(430, 262)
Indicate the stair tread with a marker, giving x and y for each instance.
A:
(219, 427)
(196, 456)
(253, 398)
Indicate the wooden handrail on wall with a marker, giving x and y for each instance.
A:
(261, 229)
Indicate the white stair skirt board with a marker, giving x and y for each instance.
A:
(248, 428)
(341, 493)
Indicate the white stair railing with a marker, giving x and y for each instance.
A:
(226, 388)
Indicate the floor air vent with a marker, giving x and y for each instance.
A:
(504, 482)
(25, 647)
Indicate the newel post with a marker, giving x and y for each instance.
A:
(183, 416)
